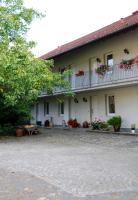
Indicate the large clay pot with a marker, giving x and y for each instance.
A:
(19, 131)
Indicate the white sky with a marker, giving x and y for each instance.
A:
(67, 20)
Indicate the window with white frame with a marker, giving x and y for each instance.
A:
(109, 60)
(111, 104)
(61, 108)
(46, 108)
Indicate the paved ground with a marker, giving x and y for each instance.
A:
(69, 165)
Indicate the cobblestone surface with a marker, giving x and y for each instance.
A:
(69, 165)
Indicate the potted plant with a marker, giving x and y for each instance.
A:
(115, 122)
(20, 131)
(80, 73)
(135, 61)
(102, 69)
(126, 64)
(85, 124)
(70, 121)
(73, 123)
(133, 127)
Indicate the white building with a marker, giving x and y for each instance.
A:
(113, 93)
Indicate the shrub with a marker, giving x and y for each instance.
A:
(99, 125)
(7, 130)
(115, 122)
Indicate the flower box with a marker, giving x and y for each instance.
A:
(80, 73)
(102, 69)
(128, 64)
(125, 64)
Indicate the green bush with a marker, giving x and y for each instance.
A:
(7, 130)
(99, 125)
(115, 122)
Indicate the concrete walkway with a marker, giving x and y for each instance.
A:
(69, 165)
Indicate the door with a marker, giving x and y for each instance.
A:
(93, 66)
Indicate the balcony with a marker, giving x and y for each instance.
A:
(112, 77)
(115, 76)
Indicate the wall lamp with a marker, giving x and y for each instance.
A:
(84, 99)
(126, 51)
(76, 100)
(98, 60)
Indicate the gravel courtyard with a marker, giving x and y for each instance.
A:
(69, 165)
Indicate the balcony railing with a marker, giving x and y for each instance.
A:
(92, 80)
(114, 75)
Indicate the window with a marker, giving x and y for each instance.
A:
(111, 104)
(46, 108)
(110, 60)
(61, 108)
(37, 109)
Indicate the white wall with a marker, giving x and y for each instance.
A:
(79, 58)
(53, 111)
(80, 110)
(126, 105)
(126, 99)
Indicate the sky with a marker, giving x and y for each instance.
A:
(67, 20)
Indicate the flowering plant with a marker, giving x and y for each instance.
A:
(102, 69)
(80, 73)
(125, 64)
(73, 123)
(98, 124)
(128, 64)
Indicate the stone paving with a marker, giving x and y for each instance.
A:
(69, 165)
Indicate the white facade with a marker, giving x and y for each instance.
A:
(126, 105)
(91, 91)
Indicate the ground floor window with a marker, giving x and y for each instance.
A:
(46, 108)
(37, 109)
(111, 104)
(61, 108)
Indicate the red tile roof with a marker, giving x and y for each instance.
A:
(120, 25)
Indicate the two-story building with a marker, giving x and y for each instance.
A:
(103, 84)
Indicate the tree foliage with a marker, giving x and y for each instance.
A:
(22, 75)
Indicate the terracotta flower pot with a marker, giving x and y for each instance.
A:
(19, 131)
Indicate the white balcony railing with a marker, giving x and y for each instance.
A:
(115, 75)
(92, 80)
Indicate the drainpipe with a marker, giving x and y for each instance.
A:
(90, 73)
(91, 111)
(69, 108)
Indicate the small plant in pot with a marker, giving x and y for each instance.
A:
(85, 124)
(115, 122)
(133, 128)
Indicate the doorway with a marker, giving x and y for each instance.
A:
(93, 107)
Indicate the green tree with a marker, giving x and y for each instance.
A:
(22, 75)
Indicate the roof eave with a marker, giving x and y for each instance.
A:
(89, 42)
